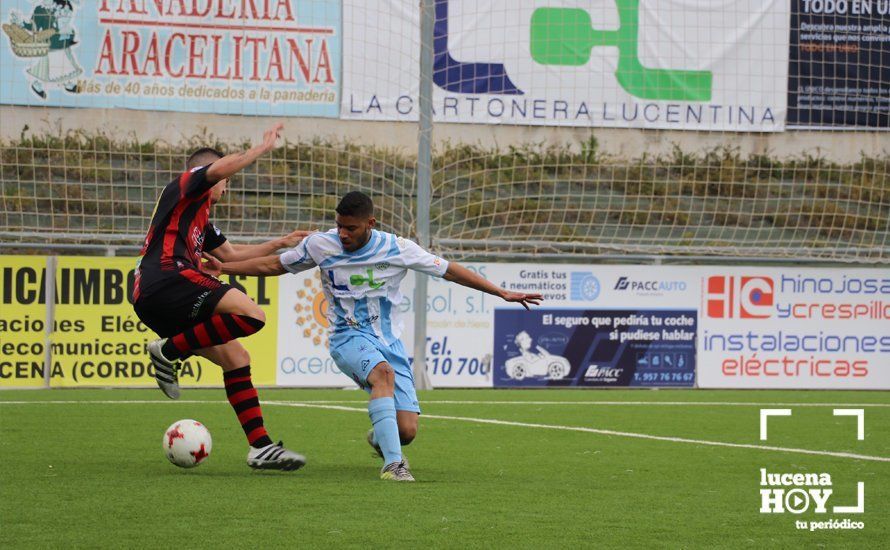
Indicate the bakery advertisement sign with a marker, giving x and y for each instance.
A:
(253, 58)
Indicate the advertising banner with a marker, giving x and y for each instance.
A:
(460, 323)
(251, 58)
(794, 328)
(708, 326)
(303, 358)
(577, 347)
(97, 338)
(22, 321)
(839, 73)
(680, 64)
(586, 334)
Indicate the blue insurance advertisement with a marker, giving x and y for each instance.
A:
(594, 347)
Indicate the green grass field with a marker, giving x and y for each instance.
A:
(89, 471)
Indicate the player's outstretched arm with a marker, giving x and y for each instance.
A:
(230, 165)
(262, 267)
(230, 252)
(459, 274)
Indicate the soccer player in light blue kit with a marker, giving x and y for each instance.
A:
(361, 269)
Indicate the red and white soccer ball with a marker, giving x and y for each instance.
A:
(187, 443)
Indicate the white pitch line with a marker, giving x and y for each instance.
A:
(503, 402)
(499, 423)
(610, 403)
(603, 432)
(110, 402)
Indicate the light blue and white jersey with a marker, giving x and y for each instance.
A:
(362, 287)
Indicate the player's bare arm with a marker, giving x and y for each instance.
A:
(260, 267)
(457, 273)
(230, 252)
(230, 165)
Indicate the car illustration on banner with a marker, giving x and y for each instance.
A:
(530, 364)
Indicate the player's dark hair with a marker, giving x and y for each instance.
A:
(356, 203)
(203, 157)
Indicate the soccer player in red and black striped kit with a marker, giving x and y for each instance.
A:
(195, 313)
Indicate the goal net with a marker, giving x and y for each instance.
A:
(738, 128)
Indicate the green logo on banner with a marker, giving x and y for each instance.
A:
(565, 36)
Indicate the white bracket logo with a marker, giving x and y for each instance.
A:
(764, 416)
(779, 489)
(860, 420)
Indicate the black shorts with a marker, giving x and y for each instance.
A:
(187, 298)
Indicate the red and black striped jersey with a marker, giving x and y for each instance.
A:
(180, 229)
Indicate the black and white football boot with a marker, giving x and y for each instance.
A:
(275, 457)
(166, 370)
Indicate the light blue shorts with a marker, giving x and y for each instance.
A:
(356, 354)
